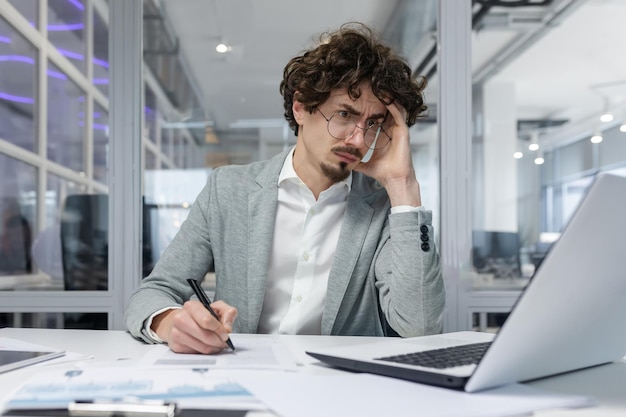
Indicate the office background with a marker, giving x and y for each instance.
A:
(112, 115)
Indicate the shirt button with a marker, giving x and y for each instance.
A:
(305, 256)
(299, 298)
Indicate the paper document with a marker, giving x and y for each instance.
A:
(188, 388)
(366, 395)
(16, 344)
(251, 353)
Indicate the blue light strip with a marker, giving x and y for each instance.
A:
(65, 27)
(70, 54)
(16, 99)
(79, 57)
(51, 73)
(56, 74)
(101, 62)
(17, 58)
(77, 4)
(96, 126)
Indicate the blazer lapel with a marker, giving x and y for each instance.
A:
(262, 203)
(351, 239)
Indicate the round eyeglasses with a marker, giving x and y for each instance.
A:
(342, 125)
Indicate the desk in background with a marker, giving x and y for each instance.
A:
(607, 384)
(484, 295)
(31, 282)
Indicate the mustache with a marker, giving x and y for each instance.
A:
(347, 149)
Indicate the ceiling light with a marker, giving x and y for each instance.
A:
(539, 160)
(534, 141)
(518, 155)
(622, 128)
(597, 138)
(222, 48)
(606, 117)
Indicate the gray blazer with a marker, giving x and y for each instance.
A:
(383, 279)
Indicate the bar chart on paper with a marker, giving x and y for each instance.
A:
(189, 388)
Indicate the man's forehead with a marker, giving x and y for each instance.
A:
(367, 98)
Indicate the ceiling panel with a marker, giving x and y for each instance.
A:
(244, 83)
(564, 72)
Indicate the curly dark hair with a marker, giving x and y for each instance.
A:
(344, 59)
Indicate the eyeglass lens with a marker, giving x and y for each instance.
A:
(342, 127)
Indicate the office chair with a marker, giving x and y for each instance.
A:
(85, 242)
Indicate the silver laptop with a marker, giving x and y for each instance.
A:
(572, 314)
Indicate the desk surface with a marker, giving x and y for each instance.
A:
(607, 384)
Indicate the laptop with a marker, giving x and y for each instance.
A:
(572, 314)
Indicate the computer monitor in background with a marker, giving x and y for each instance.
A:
(540, 249)
(85, 242)
(496, 253)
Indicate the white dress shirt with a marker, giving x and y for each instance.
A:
(306, 233)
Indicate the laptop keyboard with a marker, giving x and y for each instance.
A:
(443, 358)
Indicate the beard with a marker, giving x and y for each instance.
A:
(340, 172)
(335, 173)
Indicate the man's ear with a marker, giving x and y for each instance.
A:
(298, 110)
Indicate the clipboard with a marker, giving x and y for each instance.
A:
(129, 409)
(90, 408)
(100, 392)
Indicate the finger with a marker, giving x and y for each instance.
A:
(226, 313)
(208, 325)
(398, 112)
(221, 326)
(188, 334)
(202, 316)
(199, 329)
(182, 342)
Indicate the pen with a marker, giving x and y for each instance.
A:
(207, 303)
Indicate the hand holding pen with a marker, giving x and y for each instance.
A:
(206, 302)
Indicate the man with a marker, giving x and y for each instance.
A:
(315, 240)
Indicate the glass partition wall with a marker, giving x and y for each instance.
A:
(545, 124)
(235, 111)
(47, 102)
(492, 94)
(55, 159)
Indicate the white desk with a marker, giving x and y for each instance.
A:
(29, 282)
(607, 384)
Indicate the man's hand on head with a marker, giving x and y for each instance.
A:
(392, 166)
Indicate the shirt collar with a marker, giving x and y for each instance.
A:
(288, 173)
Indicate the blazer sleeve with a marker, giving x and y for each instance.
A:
(408, 276)
(189, 255)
